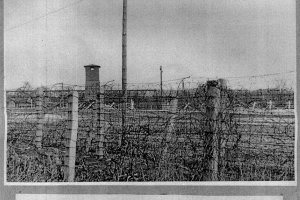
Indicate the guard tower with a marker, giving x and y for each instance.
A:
(92, 82)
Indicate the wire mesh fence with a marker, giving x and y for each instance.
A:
(36, 123)
(205, 133)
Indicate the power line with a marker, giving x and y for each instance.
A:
(262, 75)
(206, 77)
(45, 15)
(253, 76)
(178, 79)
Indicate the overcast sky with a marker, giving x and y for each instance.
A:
(198, 38)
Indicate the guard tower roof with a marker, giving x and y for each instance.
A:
(92, 65)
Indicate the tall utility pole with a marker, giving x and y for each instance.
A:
(124, 66)
(161, 90)
(124, 50)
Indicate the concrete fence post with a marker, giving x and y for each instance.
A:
(71, 138)
(40, 119)
(289, 105)
(211, 139)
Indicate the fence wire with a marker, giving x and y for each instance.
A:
(164, 138)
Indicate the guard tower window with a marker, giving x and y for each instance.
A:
(92, 69)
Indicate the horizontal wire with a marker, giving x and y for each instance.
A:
(43, 16)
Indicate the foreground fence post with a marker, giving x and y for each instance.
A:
(254, 104)
(289, 105)
(40, 118)
(131, 104)
(270, 105)
(170, 129)
(222, 122)
(71, 138)
(102, 125)
(210, 161)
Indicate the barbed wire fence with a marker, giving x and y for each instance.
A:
(205, 131)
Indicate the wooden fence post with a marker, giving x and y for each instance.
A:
(222, 125)
(71, 138)
(211, 141)
(102, 125)
(92, 97)
(40, 119)
(131, 104)
(254, 104)
(172, 109)
(270, 105)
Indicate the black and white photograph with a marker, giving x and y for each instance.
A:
(150, 91)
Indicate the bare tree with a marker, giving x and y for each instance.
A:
(280, 84)
(26, 86)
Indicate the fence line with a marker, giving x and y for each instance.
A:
(209, 133)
